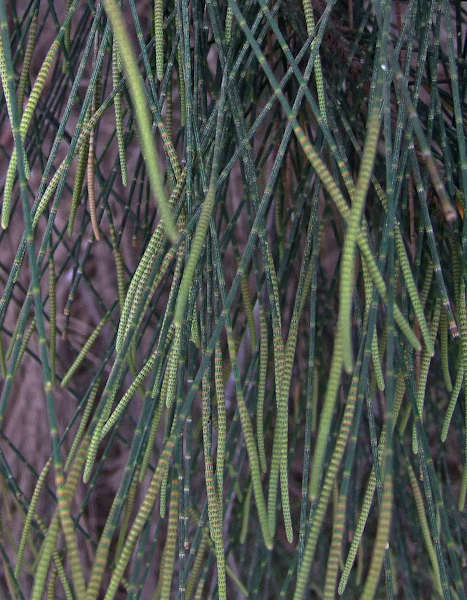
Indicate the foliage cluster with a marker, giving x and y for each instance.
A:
(233, 325)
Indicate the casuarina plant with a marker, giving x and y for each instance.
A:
(233, 323)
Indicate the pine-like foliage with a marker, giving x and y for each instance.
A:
(233, 323)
